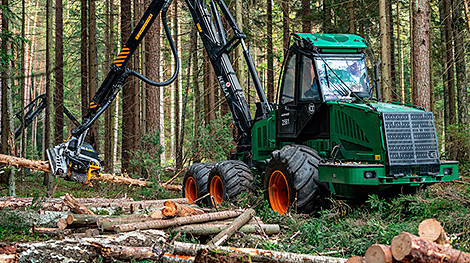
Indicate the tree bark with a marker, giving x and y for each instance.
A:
(127, 94)
(197, 102)
(59, 74)
(355, 259)
(379, 254)
(306, 17)
(126, 253)
(460, 63)
(212, 229)
(48, 231)
(84, 55)
(384, 19)
(269, 46)
(159, 224)
(75, 205)
(408, 247)
(214, 256)
(449, 94)
(285, 25)
(256, 254)
(421, 66)
(108, 223)
(232, 228)
(93, 70)
(48, 179)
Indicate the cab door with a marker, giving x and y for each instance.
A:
(287, 102)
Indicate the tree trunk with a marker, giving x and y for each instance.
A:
(93, 70)
(48, 179)
(408, 247)
(159, 224)
(306, 17)
(126, 253)
(213, 256)
(384, 19)
(59, 75)
(421, 65)
(232, 228)
(127, 94)
(239, 69)
(23, 55)
(152, 57)
(197, 102)
(285, 26)
(450, 93)
(84, 55)
(460, 64)
(212, 229)
(352, 27)
(401, 70)
(326, 25)
(108, 224)
(269, 47)
(109, 53)
(48, 231)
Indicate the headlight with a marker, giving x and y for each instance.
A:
(370, 174)
(447, 171)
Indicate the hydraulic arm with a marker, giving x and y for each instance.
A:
(76, 160)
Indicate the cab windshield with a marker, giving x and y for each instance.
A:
(340, 76)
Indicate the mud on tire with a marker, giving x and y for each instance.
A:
(228, 179)
(291, 180)
(195, 181)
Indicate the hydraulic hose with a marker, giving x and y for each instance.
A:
(173, 50)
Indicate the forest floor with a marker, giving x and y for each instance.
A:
(345, 229)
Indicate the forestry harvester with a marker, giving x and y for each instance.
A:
(327, 134)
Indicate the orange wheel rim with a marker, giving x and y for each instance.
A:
(190, 189)
(278, 192)
(217, 189)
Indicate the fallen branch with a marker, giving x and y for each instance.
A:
(212, 229)
(408, 247)
(159, 224)
(232, 228)
(76, 206)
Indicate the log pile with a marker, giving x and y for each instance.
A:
(430, 246)
(142, 231)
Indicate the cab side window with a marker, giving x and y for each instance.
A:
(308, 81)
(288, 83)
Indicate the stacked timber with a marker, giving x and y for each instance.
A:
(430, 246)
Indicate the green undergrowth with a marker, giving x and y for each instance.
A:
(347, 230)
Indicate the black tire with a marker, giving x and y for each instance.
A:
(195, 181)
(291, 180)
(227, 180)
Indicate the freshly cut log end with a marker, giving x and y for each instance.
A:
(378, 254)
(62, 223)
(430, 229)
(401, 246)
(355, 259)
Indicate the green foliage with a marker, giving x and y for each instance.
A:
(460, 143)
(215, 140)
(146, 160)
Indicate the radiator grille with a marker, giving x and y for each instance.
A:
(411, 139)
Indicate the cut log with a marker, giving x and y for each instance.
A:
(83, 219)
(212, 229)
(76, 206)
(108, 224)
(160, 224)
(355, 259)
(124, 252)
(171, 187)
(408, 247)
(379, 254)
(256, 254)
(123, 179)
(232, 228)
(92, 232)
(172, 258)
(8, 253)
(49, 231)
(173, 209)
(214, 256)
(62, 224)
(139, 204)
(157, 214)
(25, 163)
(431, 230)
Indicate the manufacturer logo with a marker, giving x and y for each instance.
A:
(311, 108)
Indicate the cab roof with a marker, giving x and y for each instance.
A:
(333, 41)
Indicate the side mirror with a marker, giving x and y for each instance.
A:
(376, 79)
